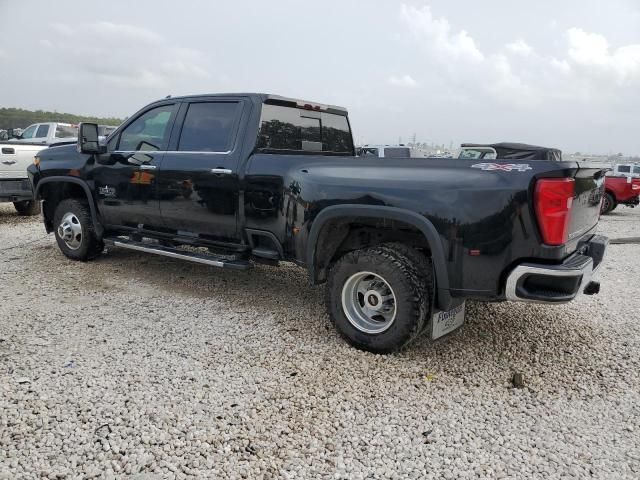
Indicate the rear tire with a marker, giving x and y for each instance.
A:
(27, 208)
(377, 298)
(424, 272)
(608, 204)
(74, 230)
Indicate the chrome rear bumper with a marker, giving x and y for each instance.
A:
(530, 282)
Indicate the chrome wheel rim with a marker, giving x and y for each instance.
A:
(605, 204)
(70, 231)
(369, 303)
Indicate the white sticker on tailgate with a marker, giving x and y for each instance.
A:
(446, 322)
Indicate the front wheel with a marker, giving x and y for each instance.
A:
(75, 232)
(377, 298)
(27, 208)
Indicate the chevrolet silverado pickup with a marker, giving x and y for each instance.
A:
(233, 180)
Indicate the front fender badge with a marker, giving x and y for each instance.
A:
(502, 167)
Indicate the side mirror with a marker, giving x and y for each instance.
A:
(11, 133)
(88, 141)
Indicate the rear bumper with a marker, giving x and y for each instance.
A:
(15, 190)
(531, 282)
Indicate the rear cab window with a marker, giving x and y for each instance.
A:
(289, 129)
(66, 131)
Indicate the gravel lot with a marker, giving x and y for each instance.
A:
(141, 365)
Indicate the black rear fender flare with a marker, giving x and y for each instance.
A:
(430, 233)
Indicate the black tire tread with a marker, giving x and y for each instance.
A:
(81, 208)
(423, 270)
(418, 297)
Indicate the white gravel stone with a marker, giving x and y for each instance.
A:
(153, 368)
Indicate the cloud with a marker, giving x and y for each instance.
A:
(591, 52)
(126, 32)
(467, 68)
(111, 53)
(435, 34)
(519, 47)
(516, 75)
(403, 81)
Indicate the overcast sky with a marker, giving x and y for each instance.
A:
(558, 73)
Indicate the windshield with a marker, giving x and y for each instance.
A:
(476, 153)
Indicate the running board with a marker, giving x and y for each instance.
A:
(212, 260)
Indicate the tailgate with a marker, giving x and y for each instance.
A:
(589, 187)
(15, 158)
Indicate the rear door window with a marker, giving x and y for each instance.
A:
(209, 127)
(43, 131)
(150, 131)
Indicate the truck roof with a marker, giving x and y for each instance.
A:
(273, 99)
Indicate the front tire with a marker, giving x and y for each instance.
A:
(378, 299)
(74, 230)
(27, 208)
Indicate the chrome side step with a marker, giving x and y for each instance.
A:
(212, 260)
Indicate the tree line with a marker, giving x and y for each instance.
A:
(20, 118)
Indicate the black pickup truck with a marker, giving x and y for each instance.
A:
(231, 180)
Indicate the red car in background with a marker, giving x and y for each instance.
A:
(620, 190)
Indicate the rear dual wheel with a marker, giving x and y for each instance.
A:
(379, 298)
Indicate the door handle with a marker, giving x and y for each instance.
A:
(222, 171)
(147, 167)
(8, 162)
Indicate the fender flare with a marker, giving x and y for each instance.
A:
(391, 213)
(92, 206)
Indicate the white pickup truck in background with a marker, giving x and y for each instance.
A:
(48, 133)
(17, 154)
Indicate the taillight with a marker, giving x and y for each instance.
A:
(635, 185)
(553, 200)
